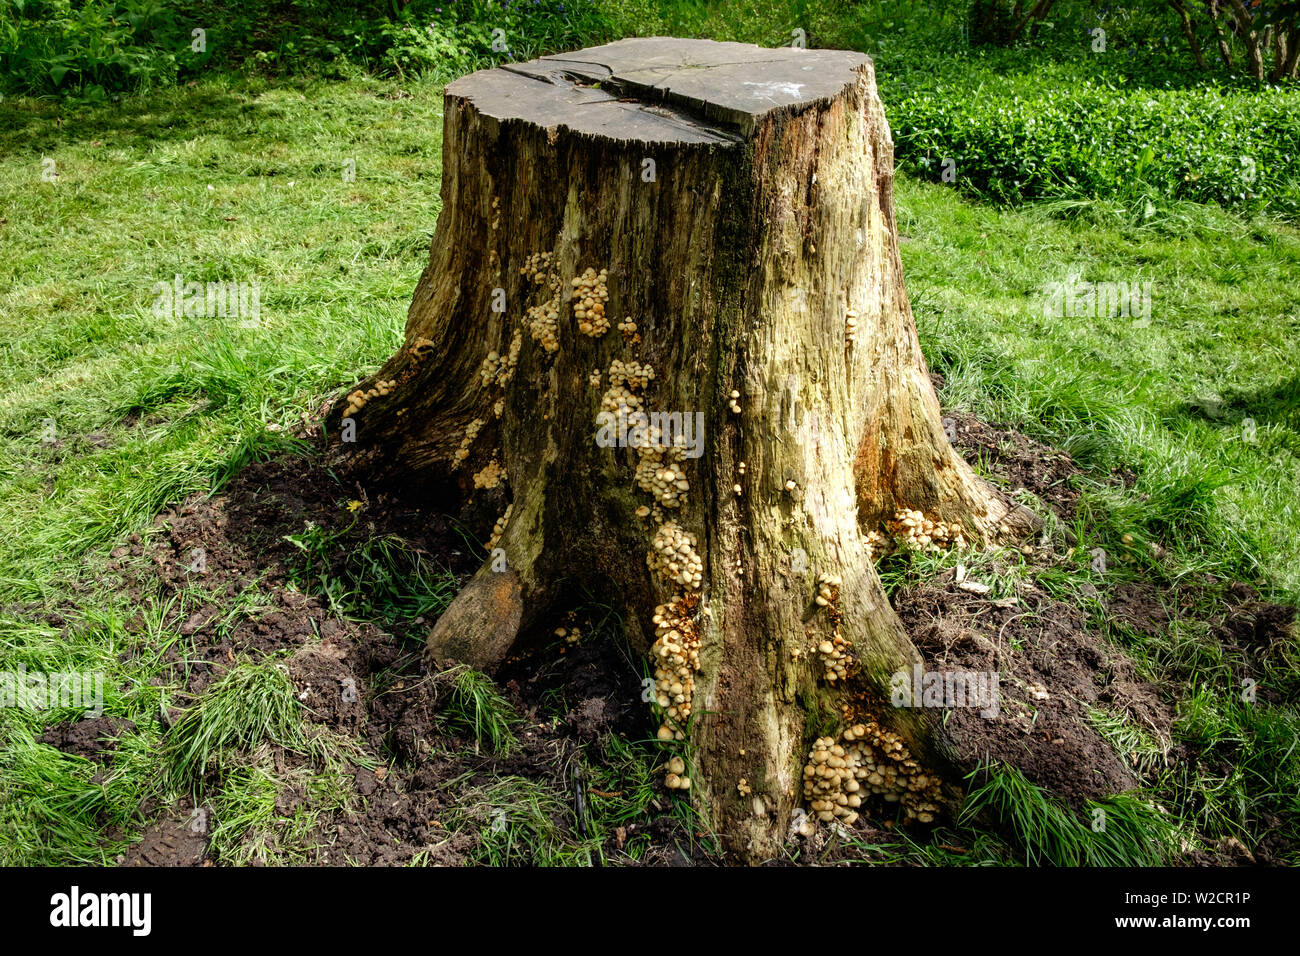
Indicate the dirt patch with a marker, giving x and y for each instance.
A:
(94, 738)
(1051, 671)
(364, 680)
(178, 838)
(1018, 461)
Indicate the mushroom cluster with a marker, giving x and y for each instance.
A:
(632, 374)
(915, 530)
(357, 399)
(594, 379)
(496, 212)
(835, 657)
(676, 778)
(499, 528)
(672, 554)
(828, 589)
(734, 401)
(866, 761)
(619, 400)
(877, 545)
(850, 326)
(571, 635)
(627, 327)
(589, 296)
(660, 472)
(543, 318)
(471, 432)
(488, 370)
(507, 369)
(676, 657)
(834, 652)
(537, 267)
(490, 476)
(543, 324)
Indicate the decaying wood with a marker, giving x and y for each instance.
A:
(739, 201)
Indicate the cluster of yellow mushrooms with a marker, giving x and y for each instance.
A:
(543, 319)
(589, 298)
(620, 398)
(913, 530)
(488, 370)
(673, 555)
(866, 761)
(357, 399)
(490, 476)
(676, 778)
(571, 635)
(537, 267)
(659, 469)
(676, 657)
(471, 432)
(850, 326)
(834, 651)
(634, 375)
(499, 528)
(660, 472)
(417, 352)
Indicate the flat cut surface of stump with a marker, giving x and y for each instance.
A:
(661, 89)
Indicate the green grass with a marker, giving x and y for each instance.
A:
(1115, 393)
(249, 704)
(1121, 830)
(475, 706)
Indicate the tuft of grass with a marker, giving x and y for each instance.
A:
(250, 704)
(519, 822)
(476, 707)
(382, 578)
(56, 807)
(250, 823)
(1120, 830)
(1135, 745)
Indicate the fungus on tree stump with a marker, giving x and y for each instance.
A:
(661, 226)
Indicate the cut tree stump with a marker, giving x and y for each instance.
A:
(684, 227)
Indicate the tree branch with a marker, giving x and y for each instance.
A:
(1189, 31)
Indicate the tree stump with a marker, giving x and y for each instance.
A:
(663, 335)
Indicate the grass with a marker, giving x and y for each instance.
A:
(109, 413)
(251, 703)
(475, 706)
(1122, 830)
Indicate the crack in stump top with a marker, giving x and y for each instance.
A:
(661, 89)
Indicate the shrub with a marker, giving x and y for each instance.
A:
(1023, 137)
(49, 46)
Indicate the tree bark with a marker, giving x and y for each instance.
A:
(1221, 40)
(731, 209)
(1250, 38)
(1189, 31)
